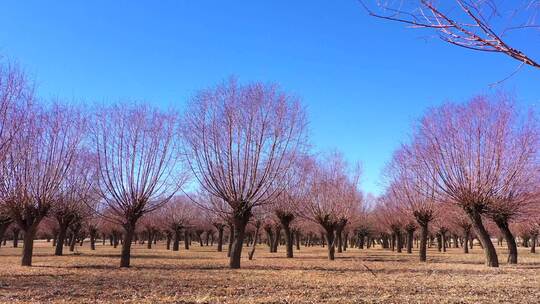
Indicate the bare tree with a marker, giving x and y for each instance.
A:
(37, 164)
(137, 163)
(240, 141)
(481, 25)
(414, 198)
(473, 155)
(76, 198)
(334, 197)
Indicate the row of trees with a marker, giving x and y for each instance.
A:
(243, 153)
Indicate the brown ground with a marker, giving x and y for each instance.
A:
(201, 276)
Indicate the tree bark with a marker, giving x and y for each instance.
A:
(510, 240)
(187, 239)
(58, 250)
(15, 237)
(423, 241)
(125, 257)
(466, 237)
(176, 241)
(28, 245)
(240, 220)
(330, 239)
(491, 259)
(288, 238)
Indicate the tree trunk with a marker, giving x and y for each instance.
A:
(533, 243)
(423, 241)
(220, 239)
(252, 252)
(399, 241)
(92, 240)
(240, 220)
(484, 238)
(73, 241)
(58, 250)
(15, 237)
(168, 242)
(339, 240)
(410, 235)
(187, 239)
(330, 239)
(176, 242)
(231, 240)
(297, 239)
(466, 241)
(288, 240)
(510, 241)
(149, 245)
(28, 246)
(126, 244)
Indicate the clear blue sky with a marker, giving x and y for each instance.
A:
(363, 80)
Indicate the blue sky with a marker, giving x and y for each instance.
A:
(364, 81)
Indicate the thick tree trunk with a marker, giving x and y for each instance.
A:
(58, 250)
(240, 221)
(510, 241)
(28, 246)
(231, 240)
(423, 241)
(533, 243)
(176, 242)
(126, 244)
(330, 239)
(288, 240)
(484, 238)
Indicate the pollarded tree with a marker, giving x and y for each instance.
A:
(137, 163)
(334, 196)
(472, 155)
(76, 197)
(240, 141)
(415, 198)
(37, 165)
(285, 206)
(516, 197)
(178, 215)
(16, 95)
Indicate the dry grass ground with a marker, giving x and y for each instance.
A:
(201, 276)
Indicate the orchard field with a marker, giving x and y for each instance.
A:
(202, 275)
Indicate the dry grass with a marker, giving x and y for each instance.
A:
(201, 276)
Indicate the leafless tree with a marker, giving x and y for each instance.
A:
(240, 141)
(37, 164)
(138, 164)
(475, 155)
(76, 198)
